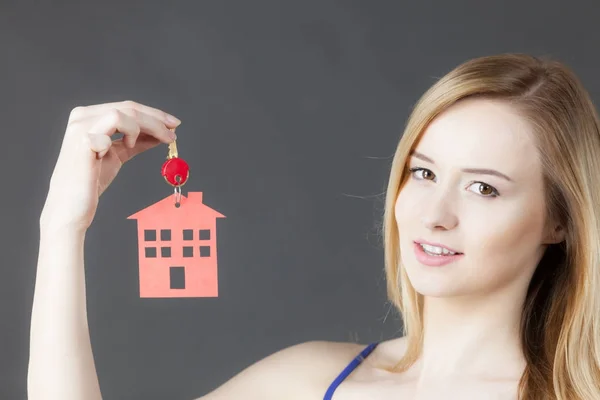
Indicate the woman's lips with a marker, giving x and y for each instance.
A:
(434, 261)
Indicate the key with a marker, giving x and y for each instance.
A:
(175, 170)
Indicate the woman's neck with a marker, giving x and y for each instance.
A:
(469, 337)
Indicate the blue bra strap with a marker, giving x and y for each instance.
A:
(348, 370)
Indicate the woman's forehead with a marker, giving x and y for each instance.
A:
(480, 133)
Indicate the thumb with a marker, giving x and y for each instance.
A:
(99, 144)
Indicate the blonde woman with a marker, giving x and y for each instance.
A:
(492, 246)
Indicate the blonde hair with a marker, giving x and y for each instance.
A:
(560, 325)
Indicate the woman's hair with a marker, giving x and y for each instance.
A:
(560, 324)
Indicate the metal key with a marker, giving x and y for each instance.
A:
(175, 170)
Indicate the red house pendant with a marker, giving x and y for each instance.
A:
(178, 248)
(177, 241)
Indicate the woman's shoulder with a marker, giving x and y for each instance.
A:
(300, 371)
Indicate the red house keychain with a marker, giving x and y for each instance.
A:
(175, 171)
(177, 245)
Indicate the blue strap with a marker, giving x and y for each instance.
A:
(348, 370)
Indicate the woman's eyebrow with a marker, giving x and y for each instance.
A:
(479, 171)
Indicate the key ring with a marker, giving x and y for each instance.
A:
(177, 193)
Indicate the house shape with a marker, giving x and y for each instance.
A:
(177, 248)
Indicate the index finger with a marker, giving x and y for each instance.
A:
(81, 112)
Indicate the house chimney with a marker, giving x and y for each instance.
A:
(195, 197)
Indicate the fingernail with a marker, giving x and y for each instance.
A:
(172, 134)
(172, 119)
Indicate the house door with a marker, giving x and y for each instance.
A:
(177, 277)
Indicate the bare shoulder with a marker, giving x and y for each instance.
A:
(302, 371)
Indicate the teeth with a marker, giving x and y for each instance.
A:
(436, 251)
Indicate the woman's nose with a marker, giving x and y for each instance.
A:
(437, 212)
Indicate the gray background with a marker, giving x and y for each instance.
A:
(291, 111)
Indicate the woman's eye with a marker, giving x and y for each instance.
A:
(422, 173)
(485, 190)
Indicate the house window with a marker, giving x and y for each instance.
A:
(165, 234)
(150, 252)
(188, 234)
(165, 252)
(204, 251)
(188, 251)
(177, 277)
(150, 235)
(204, 234)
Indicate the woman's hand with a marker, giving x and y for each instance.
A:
(90, 159)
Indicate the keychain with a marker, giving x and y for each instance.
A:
(177, 247)
(175, 171)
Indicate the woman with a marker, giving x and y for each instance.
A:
(492, 238)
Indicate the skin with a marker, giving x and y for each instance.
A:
(471, 348)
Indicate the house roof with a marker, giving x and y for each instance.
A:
(191, 206)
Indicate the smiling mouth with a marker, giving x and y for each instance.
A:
(437, 251)
(435, 258)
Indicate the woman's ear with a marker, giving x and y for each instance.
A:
(554, 234)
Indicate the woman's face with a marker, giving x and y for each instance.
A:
(477, 189)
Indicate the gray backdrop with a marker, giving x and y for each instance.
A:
(291, 111)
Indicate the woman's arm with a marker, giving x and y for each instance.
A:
(61, 363)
